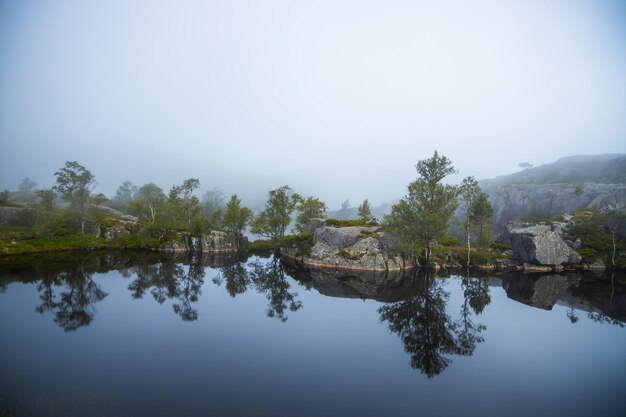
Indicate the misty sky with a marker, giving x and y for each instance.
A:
(336, 98)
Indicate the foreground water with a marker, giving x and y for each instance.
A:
(149, 335)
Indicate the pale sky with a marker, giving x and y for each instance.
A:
(338, 99)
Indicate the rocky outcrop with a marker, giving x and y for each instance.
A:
(541, 244)
(354, 248)
(8, 215)
(547, 200)
(214, 241)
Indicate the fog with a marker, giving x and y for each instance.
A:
(338, 99)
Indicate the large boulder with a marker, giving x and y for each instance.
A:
(355, 248)
(540, 244)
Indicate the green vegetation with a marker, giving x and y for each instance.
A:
(307, 209)
(423, 216)
(70, 216)
(478, 212)
(600, 240)
(365, 212)
(74, 182)
(273, 221)
(348, 223)
(236, 217)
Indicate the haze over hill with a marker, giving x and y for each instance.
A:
(337, 99)
(607, 168)
(571, 182)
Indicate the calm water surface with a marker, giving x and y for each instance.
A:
(150, 335)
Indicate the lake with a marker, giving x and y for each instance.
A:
(148, 334)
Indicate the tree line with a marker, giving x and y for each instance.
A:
(420, 219)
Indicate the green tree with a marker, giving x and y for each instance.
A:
(45, 209)
(212, 208)
(578, 192)
(365, 212)
(26, 185)
(273, 221)
(182, 198)
(147, 202)
(4, 196)
(481, 215)
(236, 217)
(422, 216)
(75, 183)
(469, 191)
(123, 196)
(309, 208)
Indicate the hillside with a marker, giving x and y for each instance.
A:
(601, 169)
(570, 183)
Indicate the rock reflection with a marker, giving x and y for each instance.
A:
(601, 297)
(541, 291)
(380, 286)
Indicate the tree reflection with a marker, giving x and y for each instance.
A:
(70, 296)
(476, 296)
(428, 333)
(236, 277)
(425, 329)
(169, 280)
(269, 279)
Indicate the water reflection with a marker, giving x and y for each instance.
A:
(270, 279)
(599, 297)
(70, 296)
(428, 333)
(416, 306)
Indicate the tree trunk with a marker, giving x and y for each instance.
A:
(468, 246)
(613, 238)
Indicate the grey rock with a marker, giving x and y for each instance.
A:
(356, 248)
(217, 241)
(9, 214)
(341, 237)
(214, 241)
(313, 224)
(598, 265)
(114, 233)
(539, 244)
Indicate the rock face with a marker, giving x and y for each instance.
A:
(540, 245)
(355, 248)
(222, 242)
(571, 183)
(9, 214)
(214, 241)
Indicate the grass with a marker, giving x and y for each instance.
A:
(348, 223)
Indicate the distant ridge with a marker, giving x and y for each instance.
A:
(603, 169)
